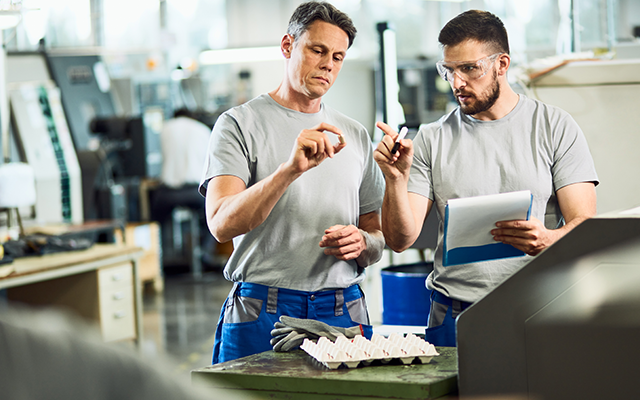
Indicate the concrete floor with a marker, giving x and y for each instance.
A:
(179, 323)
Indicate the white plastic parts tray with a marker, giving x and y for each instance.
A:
(361, 352)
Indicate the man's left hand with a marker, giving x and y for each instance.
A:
(343, 242)
(529, 236)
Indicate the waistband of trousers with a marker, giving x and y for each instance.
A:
(258, 291)
(447, 301)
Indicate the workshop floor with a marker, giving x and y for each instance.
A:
(179, 323)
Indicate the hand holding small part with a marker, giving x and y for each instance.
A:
(313, 146)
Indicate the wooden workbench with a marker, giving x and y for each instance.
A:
(101, 283)
(293, 375)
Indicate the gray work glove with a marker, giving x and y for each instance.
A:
(287, 338)
(319, 328)
(289, 332)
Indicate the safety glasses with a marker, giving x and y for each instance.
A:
(466, 70)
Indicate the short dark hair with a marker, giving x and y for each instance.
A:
(476, 25)
(184, 112)
(308, 13)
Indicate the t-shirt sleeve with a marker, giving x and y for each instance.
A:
(227, 153)
(372, 186)
(420, 175)
(572, 162)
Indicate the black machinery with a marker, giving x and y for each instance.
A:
(566, 325)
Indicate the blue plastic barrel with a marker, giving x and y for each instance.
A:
(405, 298)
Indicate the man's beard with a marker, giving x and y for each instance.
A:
(482, 105)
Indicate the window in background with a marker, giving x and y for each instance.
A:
(532, 26)
(193, 26)
(131, 24)
(63, 23)
(541, 29)
(592, 24)
(69, 23)
(627, 19)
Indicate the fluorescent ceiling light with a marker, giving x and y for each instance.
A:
(248, 54)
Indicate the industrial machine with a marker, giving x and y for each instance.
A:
(136, 144)
(85, 86)
(86, 94)
(566, 325)
(44, 140)
(66, 127)
(130, 148)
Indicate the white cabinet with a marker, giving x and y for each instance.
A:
(104, 296)
(117, 318)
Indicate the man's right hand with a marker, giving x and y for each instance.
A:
(393, 166)
(312, 147)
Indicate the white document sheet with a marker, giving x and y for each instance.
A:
(469, 221)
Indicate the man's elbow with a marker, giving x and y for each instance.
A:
(226, 228)
(220, 238)
(218, 234)
(397, 245)
(218, 230)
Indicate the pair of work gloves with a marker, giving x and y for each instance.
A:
(289, 332)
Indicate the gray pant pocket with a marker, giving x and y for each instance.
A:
(437, 313)
(242, 309)
(358, 311)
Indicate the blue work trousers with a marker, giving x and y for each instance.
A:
(441, 329)
(250, 311)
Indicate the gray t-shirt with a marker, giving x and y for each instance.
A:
(536, 147)
(250, 141)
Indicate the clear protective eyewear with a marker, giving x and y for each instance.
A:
(466, 70)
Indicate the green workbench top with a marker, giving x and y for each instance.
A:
(294, 375)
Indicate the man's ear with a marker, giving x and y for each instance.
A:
(286, 45)
(504, 61)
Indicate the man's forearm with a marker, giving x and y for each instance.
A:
(568, 226)
(240, 213)
(577, 204)
(398, 224)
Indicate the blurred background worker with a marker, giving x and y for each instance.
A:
(184, 141)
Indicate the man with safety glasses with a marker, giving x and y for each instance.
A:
(496, 141)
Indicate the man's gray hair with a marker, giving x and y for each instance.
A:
(308, 13)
